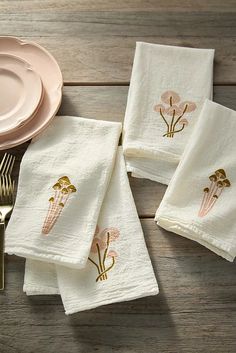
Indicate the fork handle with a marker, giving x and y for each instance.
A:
(2, 236)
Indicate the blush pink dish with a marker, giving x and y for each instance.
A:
(20, 92)
(47, 68)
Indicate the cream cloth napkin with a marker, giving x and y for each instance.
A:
(167, 89)
(63, 179)
(127, 271)
(200, 202)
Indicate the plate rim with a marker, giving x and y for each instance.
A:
(28, 66)
(59, 91)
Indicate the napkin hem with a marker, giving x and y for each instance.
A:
(194, 233)
(56, 259)
(131, 296)
(31, 289)
(135, 150)
(139, 173)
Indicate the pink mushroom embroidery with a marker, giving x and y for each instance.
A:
(101, 256)
(172, 111)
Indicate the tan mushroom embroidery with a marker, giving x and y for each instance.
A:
(101, 256)
(172, 111)
(218, 182)
(62, 191)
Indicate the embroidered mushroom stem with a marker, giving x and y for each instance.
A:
(102, 242)
(48, 217)
(63, 188)
(221, 185)
(206, 192)
(105, 254)
(105, 271)
(211, 195)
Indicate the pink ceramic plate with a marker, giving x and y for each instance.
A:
(46, 66)
(20, 92)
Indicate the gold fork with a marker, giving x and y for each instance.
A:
(6, 205)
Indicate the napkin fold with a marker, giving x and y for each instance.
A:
(63, 179)
(168, 87)
(40, 278)
(199, 203)
(118, 267)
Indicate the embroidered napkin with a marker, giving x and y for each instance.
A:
(167, 89)
(63, 179)
(118, 268)
(200, 202)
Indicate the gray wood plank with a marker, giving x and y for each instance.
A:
(64, 6)
(194, 312)
(98, 46)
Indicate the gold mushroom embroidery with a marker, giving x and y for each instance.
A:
(62, 191)
(172, 111)
(218, 182)
(101, 256)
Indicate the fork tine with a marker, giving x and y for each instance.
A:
(7, 187)
(10, 189)
(5, 166)
(12, 165)
(1, 191)
(9, 165)
(3, 186)
(3, 162)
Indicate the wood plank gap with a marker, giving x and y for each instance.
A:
(88, 84)
(148, 216)
(96, 83)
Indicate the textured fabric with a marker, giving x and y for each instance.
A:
(200, 200)
(40, 278)
(63, 178)
(127, 270)
(167, 89)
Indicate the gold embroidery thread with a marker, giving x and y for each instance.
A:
(101, 256)
(218, 182)
(62, 191)
(172, 111)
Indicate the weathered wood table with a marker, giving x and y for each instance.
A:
(94, 43)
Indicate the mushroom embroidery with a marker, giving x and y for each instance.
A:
(172, 111)
(218, 182)
(101, 256)
(62, 191)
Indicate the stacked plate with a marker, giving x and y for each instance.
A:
(30, 90)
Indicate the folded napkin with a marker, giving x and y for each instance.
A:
(63, 179)
(200, 202)
(167, 89)
(118, 268)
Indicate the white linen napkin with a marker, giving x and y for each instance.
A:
(63, 179)
(126, 273)
(200, 202)
(167, 89)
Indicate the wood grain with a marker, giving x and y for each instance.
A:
(194, 312)
(98, 46)
(65, 6)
